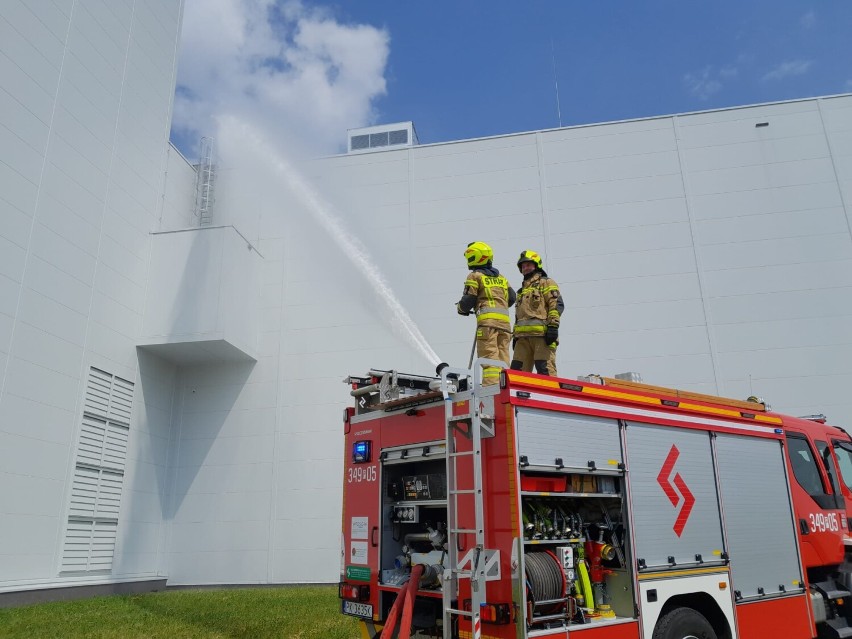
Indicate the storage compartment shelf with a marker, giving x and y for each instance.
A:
(553, 542)
(531, 493)
(424, 503)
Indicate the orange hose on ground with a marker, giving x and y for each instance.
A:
(408, 609)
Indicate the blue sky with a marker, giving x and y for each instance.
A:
(465, 69)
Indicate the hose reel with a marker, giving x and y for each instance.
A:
(545, 579)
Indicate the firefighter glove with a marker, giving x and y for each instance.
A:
(551, 335)
(460, 311)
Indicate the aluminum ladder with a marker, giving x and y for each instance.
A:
(205, 184)
(478, 426)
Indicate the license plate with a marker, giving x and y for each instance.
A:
(358, 609)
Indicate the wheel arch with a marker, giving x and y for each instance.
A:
(705, 604)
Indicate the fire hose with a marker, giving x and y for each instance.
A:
(586, 585)
(405, 602)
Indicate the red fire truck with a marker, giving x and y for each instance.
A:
(598, 508)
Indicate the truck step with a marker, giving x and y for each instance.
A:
(839, 629)
(830, 590)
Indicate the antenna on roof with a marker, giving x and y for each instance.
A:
(555, 82)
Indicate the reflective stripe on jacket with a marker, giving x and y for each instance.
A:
(537, 306)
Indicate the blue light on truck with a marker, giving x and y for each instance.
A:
(361, 452)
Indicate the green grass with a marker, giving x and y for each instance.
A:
(303, 612)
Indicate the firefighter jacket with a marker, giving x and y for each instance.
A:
(488, 294)
(537, 306)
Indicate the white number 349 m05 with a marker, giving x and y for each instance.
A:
(362, 473)
(823, 522)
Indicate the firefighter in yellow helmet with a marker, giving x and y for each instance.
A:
(488, 294)
(537, 312)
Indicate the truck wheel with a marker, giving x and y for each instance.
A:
(683, 623)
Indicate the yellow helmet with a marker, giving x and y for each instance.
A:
(529, 256)
(478, 254)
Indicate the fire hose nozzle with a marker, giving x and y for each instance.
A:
(441, 367)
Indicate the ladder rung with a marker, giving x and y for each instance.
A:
(463, 530)
(465, 491)
(459, 418)
(464, 453)
(463, 613)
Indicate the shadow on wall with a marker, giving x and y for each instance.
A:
(191, 377)
(203, 458)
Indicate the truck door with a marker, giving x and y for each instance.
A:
(817, 508)
(843, 454)
(677, 520)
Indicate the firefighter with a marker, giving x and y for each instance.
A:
(488, 294)
(537, 314)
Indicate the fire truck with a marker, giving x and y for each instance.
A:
(596, 508)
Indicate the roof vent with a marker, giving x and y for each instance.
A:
(401, 134)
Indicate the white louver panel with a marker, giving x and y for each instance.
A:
(90, 449)
(98, 392)
(103, 545)
(98, 474)
(78, 544)
(120, 401)
(89, 546)
(96, 493)
(102, 443)
(108, 397)
(115, 446)
(84, 492)
(109, 494)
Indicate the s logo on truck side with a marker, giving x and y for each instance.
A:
(671, 489)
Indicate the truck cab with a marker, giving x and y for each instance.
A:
(817, 493)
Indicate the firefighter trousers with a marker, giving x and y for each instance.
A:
(532, 353)
(492, 343)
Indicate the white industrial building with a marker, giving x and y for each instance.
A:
(171, 396)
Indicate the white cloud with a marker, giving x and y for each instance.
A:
(808, 20)
(708, 81)
(294, 71)
(788, 69)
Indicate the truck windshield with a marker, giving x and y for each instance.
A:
(843, 451)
